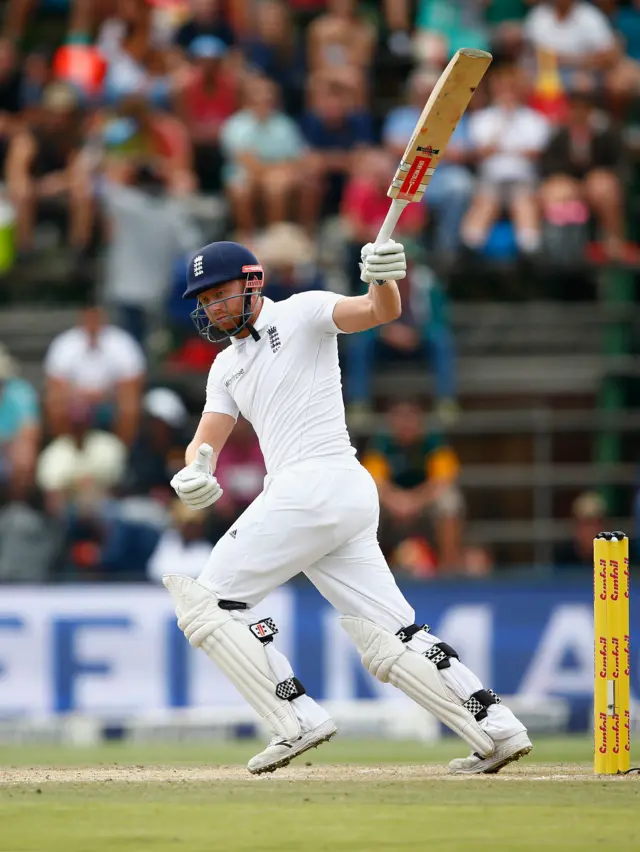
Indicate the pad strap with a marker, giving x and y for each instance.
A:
(290, 689)
(407, 633)
(441, 655)
(477, 704)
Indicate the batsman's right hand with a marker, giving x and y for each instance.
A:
(195, 485)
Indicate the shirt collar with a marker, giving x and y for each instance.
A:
(267, 314)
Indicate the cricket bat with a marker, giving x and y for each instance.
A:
(440, 117)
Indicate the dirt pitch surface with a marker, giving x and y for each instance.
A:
(25, 776)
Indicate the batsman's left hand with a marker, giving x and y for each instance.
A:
(386, 262)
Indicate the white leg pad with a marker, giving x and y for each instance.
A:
(238, 654)
(391, 661)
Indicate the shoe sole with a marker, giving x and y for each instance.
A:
(511, 759)
(493, 770)
(285, 761)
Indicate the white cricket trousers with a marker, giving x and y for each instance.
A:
(320, 517)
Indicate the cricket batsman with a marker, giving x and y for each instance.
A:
(318, 513)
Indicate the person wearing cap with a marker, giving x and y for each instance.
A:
(206, 98)
(317, 514)
(45, 164)
(19, 430)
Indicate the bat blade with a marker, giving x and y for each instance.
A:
(440, 117)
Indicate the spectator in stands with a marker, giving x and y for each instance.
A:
(207, 19)
(507, 138)
(100, 364)
(399, 26)
(290, 261)
(275, 50)
(341, 37)
(84, 464)
(183, 548)
(336, 133)
(158, 452)
(240, 471)
(78, 473)
(581, 164)
(623, 82)
(579, 38)
(10, 95)
(452, 185)
(263, 147)
(208, 96)
(416, 473)
(154, 138)
(34, 80)
(135, 66)
(444, 26)
(19, 431)
(589, 516)
(44, 166)
(30, 543)
(149, 230)
(19, 12)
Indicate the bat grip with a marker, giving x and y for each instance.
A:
(395, 211)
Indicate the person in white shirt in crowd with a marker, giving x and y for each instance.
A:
(84, 464)
(101, 365)
(577, 35)
(317, 514)
(508, 139)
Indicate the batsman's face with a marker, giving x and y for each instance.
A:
(223, 303)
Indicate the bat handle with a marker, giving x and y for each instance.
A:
(395, 211)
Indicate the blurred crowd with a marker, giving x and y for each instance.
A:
(148, 127)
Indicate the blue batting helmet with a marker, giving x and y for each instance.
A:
(219, 263)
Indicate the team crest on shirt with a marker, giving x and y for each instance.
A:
(274, 338)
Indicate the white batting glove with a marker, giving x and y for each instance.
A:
(195, 485)
(386, 262)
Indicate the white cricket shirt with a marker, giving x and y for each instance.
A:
(287, 384)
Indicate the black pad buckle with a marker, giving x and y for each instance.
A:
(229, 605)
(441, 654)
(264, 630)
(407, 633)
(477, 703)
(290, 689)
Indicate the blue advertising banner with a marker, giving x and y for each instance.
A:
(117, 649)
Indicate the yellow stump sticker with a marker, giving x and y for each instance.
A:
(612, 711)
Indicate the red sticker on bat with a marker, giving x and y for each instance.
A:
(411, 183)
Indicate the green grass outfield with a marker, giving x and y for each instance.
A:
(349, 795)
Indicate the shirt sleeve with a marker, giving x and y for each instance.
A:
(130, 359)
(538, 132)
(600, 33)
(219, 400)
(315, 309)
(58, 362)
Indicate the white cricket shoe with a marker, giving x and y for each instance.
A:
(506, 751)
(281, 752)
